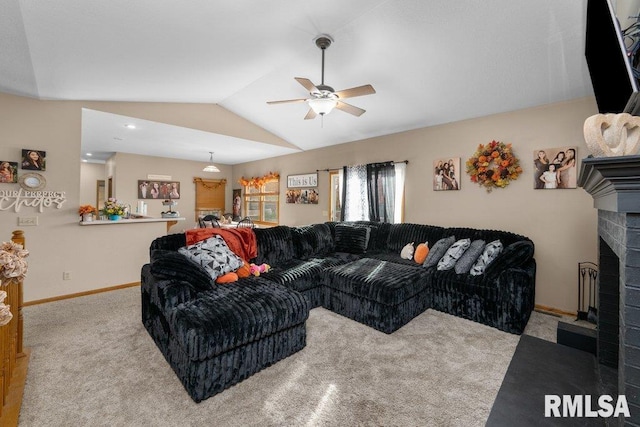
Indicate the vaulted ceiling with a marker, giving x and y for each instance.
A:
(430, 62)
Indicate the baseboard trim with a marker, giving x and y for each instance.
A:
(556, 311)
(81, 294)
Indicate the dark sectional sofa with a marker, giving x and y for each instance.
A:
(216, 335)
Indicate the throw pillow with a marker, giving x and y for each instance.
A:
(490, 252)
(407, 251)
(350, 239)
(452, 255)
(173, 265)
(469, 257)
(420, 255)
(230, 277)
(214, 255)
(438, 250)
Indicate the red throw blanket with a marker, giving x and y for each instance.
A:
(241, 241)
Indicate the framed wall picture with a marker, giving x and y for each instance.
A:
(237, 204)
(34, 160)
(303, 180)
(161, 190)
(8, 172)
(555, 168)
(303, 196)
(446, 174)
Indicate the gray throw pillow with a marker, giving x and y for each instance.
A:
(214, 255)
(452, 255)
(438, 250)
(491, 252)
(469, 257)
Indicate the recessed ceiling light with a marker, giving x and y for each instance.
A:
(84, 160)
(130, 126)
(89, 154)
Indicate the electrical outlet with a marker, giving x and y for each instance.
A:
(66, 275)
(28, 220)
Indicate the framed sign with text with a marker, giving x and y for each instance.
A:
(303, 180)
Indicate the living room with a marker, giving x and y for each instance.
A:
(562, 224)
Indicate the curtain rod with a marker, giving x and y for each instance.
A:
(328, 170)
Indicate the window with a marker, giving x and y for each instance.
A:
(373, 192)
(261, 202)
(210, 195)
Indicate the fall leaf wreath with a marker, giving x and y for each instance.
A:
(493, 165)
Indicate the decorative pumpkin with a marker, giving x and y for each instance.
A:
(421, 252)
(407, 251)
(244, 271)
(227, 278)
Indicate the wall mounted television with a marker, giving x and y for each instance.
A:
(606, 55)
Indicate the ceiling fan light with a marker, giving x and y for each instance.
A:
(211, 167)
(322, 106)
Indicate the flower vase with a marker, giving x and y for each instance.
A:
(115, 217)
(88, 217)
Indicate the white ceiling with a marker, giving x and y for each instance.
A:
(430, 62)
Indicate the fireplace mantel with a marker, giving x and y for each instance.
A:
(613, 182)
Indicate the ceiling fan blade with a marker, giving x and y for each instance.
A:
(284, 101)
(348, 108)
(307, 84)
(356, 91)
(310, 115)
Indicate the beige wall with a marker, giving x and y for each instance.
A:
(90, 173)
(561, 223)
(97, 256)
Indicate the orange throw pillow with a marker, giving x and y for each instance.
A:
(243, 271)
(421, 253)
(227, 278)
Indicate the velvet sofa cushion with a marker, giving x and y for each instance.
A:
(514, 255)
(378, 235)
(401, 234)
(171, 242)
(391, 284)
(275, 245)
(230, 316)
(297, 274)
(167, 264)
(312, 241)
(351, 238)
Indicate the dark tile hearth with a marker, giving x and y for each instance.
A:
(542, 367)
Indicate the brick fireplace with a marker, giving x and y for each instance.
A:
(614, 184)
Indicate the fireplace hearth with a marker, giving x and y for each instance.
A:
(614, 184)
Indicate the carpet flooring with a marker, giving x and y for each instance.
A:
(93, 364)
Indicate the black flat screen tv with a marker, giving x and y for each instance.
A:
(609, 66)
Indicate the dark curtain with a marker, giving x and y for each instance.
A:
(381, 191)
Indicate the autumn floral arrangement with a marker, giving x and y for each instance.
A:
(113, 207)
(12, 261)
(257, 182)
(493, 165)
(87, 209)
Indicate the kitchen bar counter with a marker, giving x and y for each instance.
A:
(170, 221)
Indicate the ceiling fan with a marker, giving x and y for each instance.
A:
(323, 98)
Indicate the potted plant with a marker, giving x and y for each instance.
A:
(113, 209)
(86, 212)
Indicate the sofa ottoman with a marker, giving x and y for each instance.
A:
(377, 293)
(216, 338)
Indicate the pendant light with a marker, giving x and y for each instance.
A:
(211, 167)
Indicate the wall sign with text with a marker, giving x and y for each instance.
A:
(303, 180)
